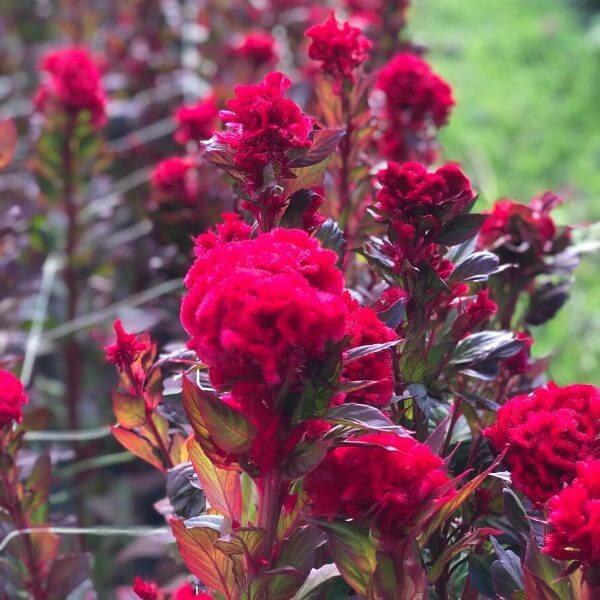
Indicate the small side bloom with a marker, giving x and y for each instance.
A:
(12, 399)
(145, 590)
(574, 518)
(257, 47)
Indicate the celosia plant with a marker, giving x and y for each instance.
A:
(348, 402)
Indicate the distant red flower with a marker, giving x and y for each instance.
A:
(145, 590)
(414, 94)
(262, 126)
(545, 433)
(363, 327)
(412, 195)
(521, 233)
(574, 518)
(231, 229)
(415, 103)
(259, 48)
(12, 399)
(386, 479)
(257, 308)
(339, 48)
(172, 180)
(73, 85)
(475, 313)
(519, 363)
(196, 122)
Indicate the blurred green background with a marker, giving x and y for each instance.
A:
(526, 80)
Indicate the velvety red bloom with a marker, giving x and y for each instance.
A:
(388, 480)
(145, 590)
(231, 229)
(411, 194)
(173, 180)
(545, 433)
(262, 126)
(389, 297)
(414, 94)
(257, 308)
(196, 122)
(475, 313)
(259, 48)
(519, 362)
(339, 48)
(574, 518)
(520, 233)
(364, 327)
(128, 347)
(414, 102)
(12, 398)
(73, 84)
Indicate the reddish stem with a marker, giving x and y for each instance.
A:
(269, 511)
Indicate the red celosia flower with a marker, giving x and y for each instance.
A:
(187, 592)
(414, 94)
(73, 84)
(339, 48)
(263, 126)
(363, 327)
(545, 433)
(258, 308)
(519, 362)
(145, 590)
(388, 480)
(12, 398)
(259, 48)
(128, 348)
(473, 314)
(574, 518)
(389, 297)
(415, 102)
(521, 233)
(173, 180)
(231, 229)
(196, 122)
(412, 195)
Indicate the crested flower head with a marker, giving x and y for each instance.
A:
(196, 122)
(12, 398)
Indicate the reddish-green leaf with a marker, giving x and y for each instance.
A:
(137, 445)
(130, 411)
(8, 142)
(221, 486)
(204, 559)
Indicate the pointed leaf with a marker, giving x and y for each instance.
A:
(221, 486)
(138, 446)
(130, 411)
(324, 143)
(317, 579)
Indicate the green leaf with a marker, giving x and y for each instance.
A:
(305, 457)
(221, 486)
(315, 582)
(281, 583)
(299, 549)
(138, 445)
(229, 429)
(363, 416)
(130, 411)
(204, 560)
(460, 229)
(246, 541)
(515, 512)
(353, 553)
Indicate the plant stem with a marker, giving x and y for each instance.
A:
(269, 511)
(590, 584)
(72, 354)
(345, 196)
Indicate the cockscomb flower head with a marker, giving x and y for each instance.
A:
(231, 229)
(257, 308)
(12, 399)
(574, 518)
(412, 195)
(544, 434)
(196, 122)
(73, 84)
(258, 48)
(473, 314)
(262, 126)
(172, 180)
(384, 479)
(340, 48)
